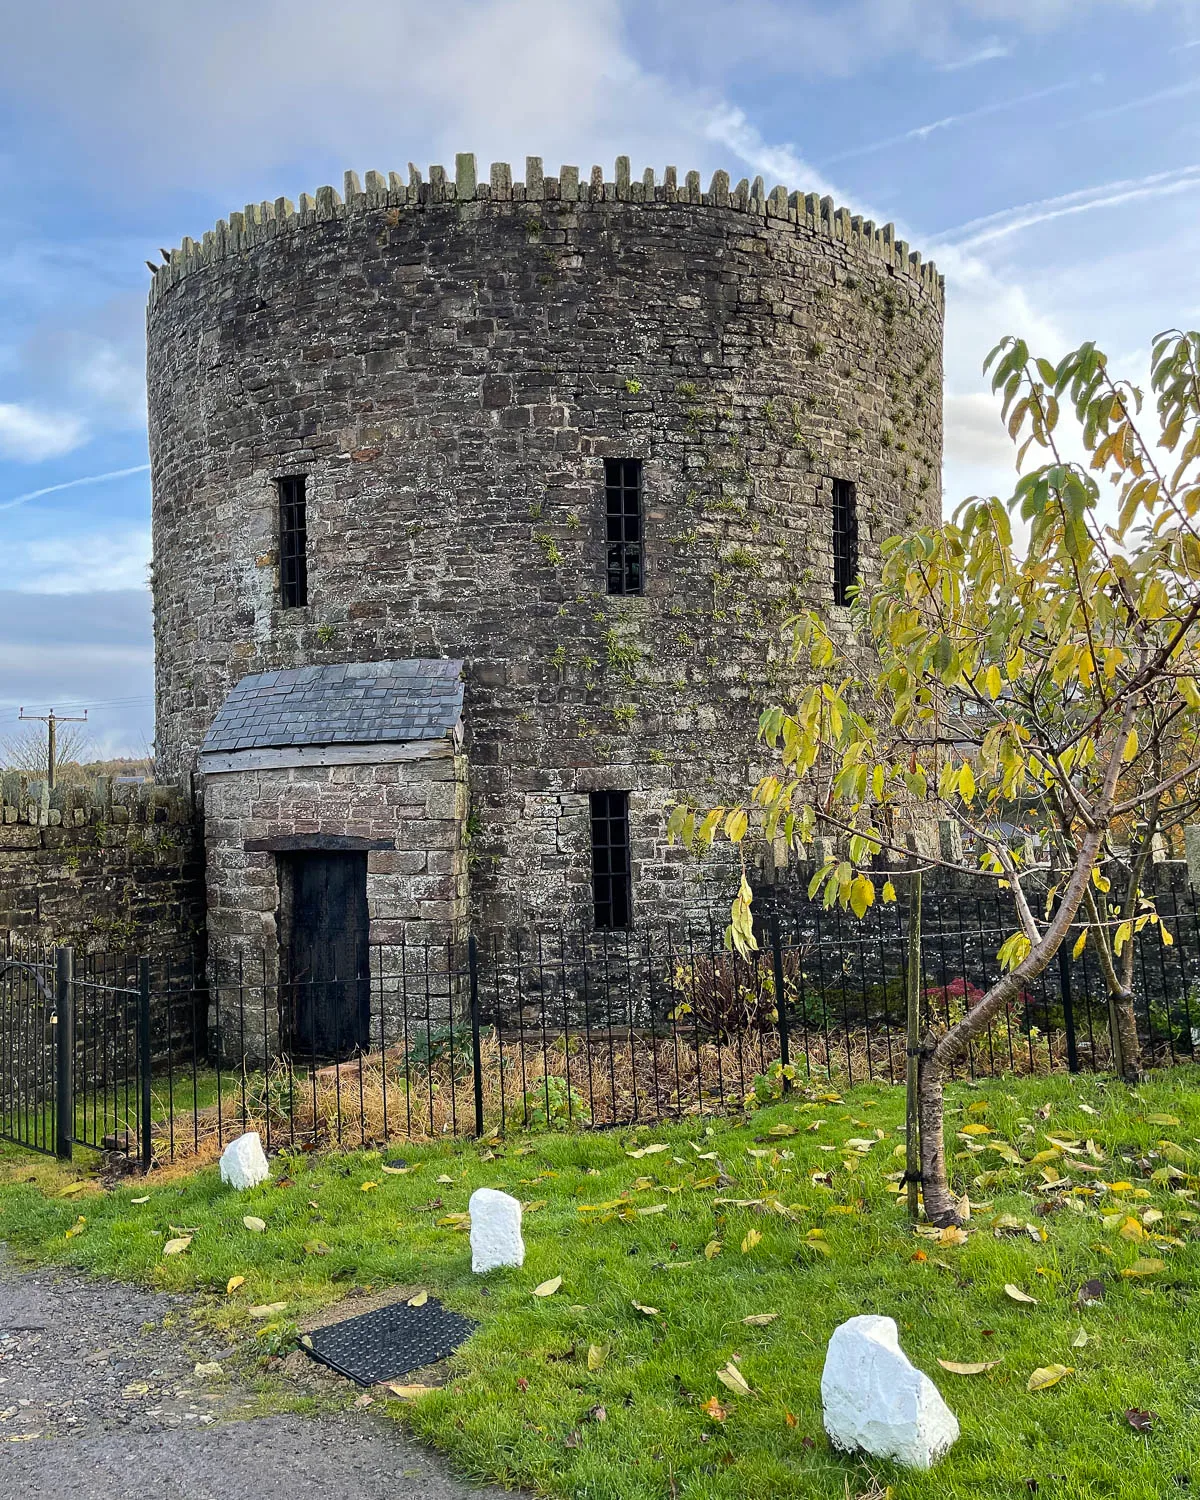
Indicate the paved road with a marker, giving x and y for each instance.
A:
(98, 1399)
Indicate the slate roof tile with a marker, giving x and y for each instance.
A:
(380, 702)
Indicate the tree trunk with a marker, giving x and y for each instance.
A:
(1122, 1023)
(1122, 1027)
(912, 1034)
(941, 1206)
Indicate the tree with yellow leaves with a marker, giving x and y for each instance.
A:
(1054, 673)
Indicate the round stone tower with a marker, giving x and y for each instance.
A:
(595, 439)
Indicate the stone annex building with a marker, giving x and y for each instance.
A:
(478, 507)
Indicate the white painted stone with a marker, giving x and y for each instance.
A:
(877, 1401)
(243, 1162)
(495, 1230)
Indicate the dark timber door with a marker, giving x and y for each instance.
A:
(328, 962)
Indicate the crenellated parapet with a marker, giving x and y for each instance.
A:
(28, 800)
(261, 222)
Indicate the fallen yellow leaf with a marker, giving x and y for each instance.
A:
(233, 1283)
(548, 1288)
(1048, 1375)
(178, 1245)
(733, 1378)
(419, 1299)
(1017, 1294)
(968, 1369)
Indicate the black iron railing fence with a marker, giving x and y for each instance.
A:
(158, 1062)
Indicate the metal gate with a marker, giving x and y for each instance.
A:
(110, 1054)
(31, 1075)
(75, 1052)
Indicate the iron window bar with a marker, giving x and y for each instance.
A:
(293, 542)
(845, 539)
(623, 506)
(611, 886)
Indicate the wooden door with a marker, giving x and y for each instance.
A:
(328, 964)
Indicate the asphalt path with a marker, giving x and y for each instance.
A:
(100, 1400)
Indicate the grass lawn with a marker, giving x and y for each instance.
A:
(793, 1212)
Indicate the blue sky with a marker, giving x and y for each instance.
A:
(1045, 152)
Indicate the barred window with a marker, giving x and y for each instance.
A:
(845, 540)
(293, 543)
(610, 859)
(623, 492)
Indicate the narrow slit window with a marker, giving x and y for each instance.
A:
(845, 540)
(293, 543)
(610, 859)
(623, 492)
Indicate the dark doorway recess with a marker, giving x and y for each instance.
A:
(327, 930)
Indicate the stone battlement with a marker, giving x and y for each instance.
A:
(258, 222)
(32, 802)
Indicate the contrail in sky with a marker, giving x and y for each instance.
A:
(1107, 195)
(70, 484)
(921, 132)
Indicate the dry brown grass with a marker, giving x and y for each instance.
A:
(616, 1078)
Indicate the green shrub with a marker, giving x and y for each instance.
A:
(553, 1104)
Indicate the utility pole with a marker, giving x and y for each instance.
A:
(52, 721)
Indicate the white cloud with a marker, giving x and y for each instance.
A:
(75, 651)
(559, 77)
(975, 435)
(88, 563)
(277, 81)
(216, 94)
(30, 435)
(838, 37)
(992, 50)
(105, 376)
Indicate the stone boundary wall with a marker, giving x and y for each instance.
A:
(108, 867)
(258, 222)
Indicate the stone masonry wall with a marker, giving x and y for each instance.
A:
(107, 868)
(448, 364)
(415, 892)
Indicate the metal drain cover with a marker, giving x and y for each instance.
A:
(388, 1343)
